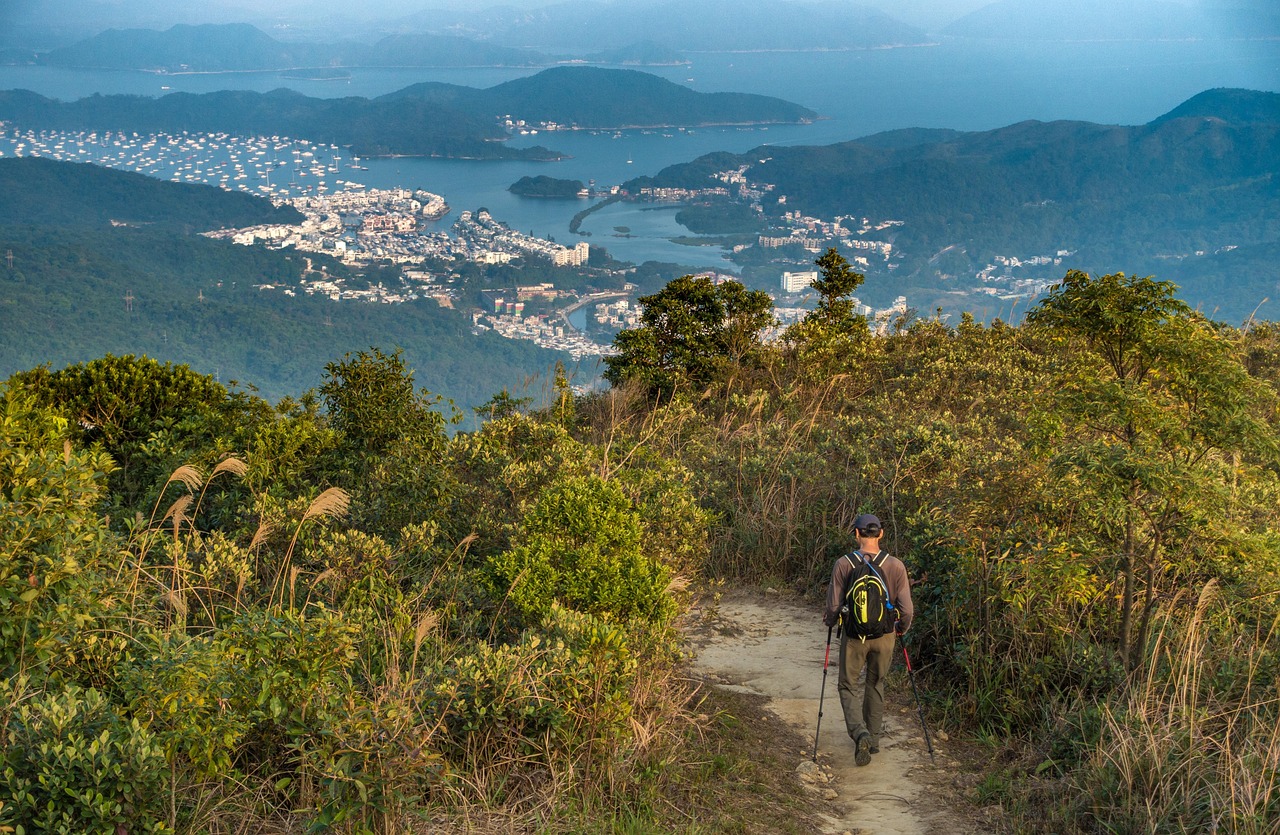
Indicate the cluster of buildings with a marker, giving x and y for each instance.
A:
(997, 278)
(622, 314)
(544, 329)
(746, 190)
(491, 241)
(815, 235)
(358, 225)
(676, 195)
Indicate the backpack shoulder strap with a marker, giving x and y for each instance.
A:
(876, 563)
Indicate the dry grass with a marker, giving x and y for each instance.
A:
(1189, 750)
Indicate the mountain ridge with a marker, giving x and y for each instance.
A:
(1144, 197)
(428, 119)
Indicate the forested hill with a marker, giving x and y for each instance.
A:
(44, 192)
(1237, 107)
(75, 285)
(591, 97)
(430, 119)
(1198, 180)
(407, 125)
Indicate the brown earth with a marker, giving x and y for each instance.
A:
(773, 645)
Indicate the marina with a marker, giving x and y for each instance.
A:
(276, 167)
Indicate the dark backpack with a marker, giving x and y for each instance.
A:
(868, 612)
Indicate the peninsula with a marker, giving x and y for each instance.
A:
(431, 119)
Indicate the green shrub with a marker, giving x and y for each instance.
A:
(52, 539)
(74, 765)
(580, 544)
(555, 691)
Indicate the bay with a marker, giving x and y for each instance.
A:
(964, 85)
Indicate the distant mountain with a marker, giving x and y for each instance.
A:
(240, 47)
(930, 15)
(1082, 20)
(1202, 179)
(204, 48)
(1242, 18)
(706, 25)
(643, 53)
(422, 50)
(44, 192)
(596, 98)
(1238, 107)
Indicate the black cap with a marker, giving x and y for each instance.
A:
(867, 522)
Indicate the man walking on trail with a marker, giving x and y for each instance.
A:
(870, 597)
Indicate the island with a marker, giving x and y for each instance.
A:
(429, 119)
(542, 186)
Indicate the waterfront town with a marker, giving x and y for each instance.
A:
(360, 226)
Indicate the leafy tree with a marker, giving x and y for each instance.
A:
(53, 542)
(372, 401)
(1154, 409)
(146, 415)
(835, 285)
(824, 336)
(501, 405)
(393, 441)
(693, 333)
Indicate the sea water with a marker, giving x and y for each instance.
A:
(963, 85)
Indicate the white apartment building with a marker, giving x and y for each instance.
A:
(798, 281)
(571, 257)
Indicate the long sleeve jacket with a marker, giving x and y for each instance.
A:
(895, 577)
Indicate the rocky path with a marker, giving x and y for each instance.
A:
(774, 646)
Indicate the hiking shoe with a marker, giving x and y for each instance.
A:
(862, 750)
(873, 748)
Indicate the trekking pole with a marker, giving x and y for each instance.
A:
(919, 707)
(825, 662)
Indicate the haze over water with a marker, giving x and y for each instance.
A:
(964, 85)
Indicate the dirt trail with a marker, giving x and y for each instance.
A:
(773, 646)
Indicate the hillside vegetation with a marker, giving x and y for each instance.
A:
(81, 285)
(329, 613)
(427, 119)
(1159, 198)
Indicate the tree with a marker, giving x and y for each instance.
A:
(1153, 410)
(835, 285)
(825, 337)
(146, 415)
(693, 332)
(393, 441)
(372, 401)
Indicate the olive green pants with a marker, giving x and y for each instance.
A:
(864, 712)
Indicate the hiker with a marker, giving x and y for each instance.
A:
(868, 630)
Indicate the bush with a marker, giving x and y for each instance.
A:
(580, 545)
(74, 765)
(556, 691)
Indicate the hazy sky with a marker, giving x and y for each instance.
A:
(128, 12)
(332, 14)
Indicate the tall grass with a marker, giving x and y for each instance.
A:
(1194, 746)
